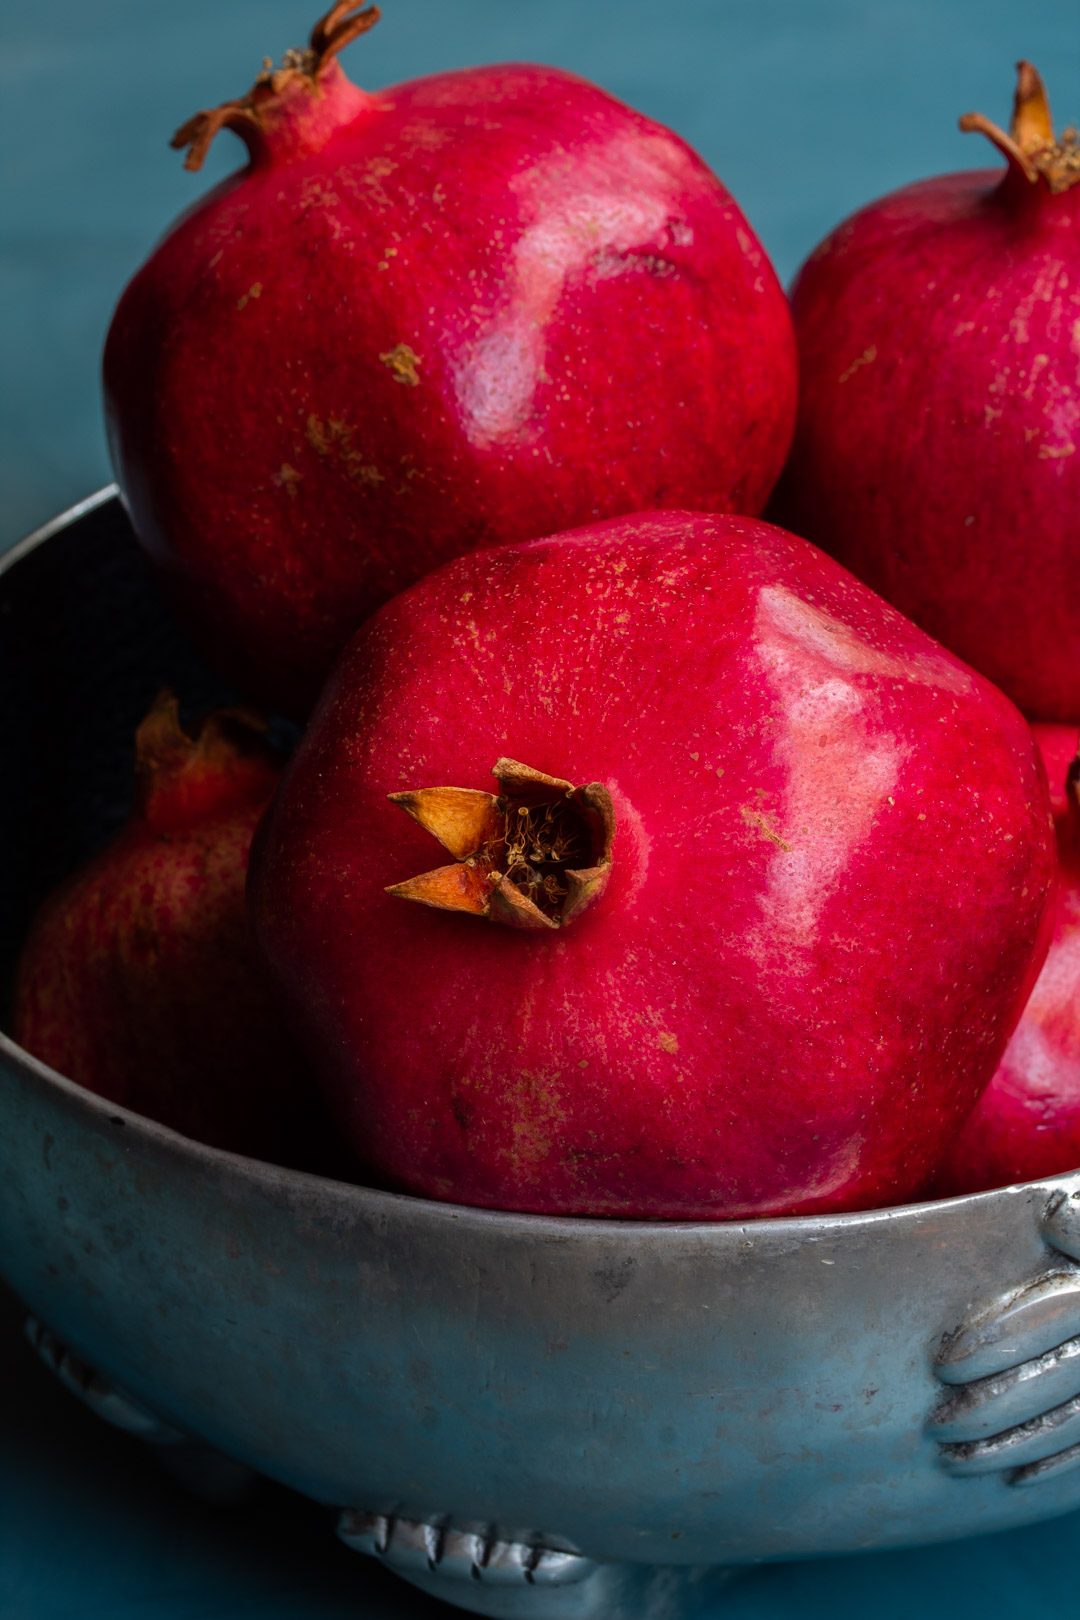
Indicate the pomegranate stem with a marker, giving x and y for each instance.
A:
(1031, 147)
(341, 25)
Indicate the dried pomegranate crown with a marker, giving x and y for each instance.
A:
(535, 856)
(1031, 146)
(185, 777)
(342, 24)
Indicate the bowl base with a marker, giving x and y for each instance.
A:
(595, 1591)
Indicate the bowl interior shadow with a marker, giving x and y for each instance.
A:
(86, 643)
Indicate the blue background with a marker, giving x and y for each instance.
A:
(807, 108)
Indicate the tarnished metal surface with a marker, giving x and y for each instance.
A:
(595, 1392)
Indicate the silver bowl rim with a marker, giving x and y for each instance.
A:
(276, 1179)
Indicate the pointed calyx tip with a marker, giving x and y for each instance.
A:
(160, 740)
(342, 24)
(535, 855)
(1031, 148)
(162, 743)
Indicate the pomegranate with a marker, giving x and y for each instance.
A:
(742, 924)
(939, 414)
(1027, 1122)
(470, 309)
(139, 979)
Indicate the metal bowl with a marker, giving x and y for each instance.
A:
(526, 1416)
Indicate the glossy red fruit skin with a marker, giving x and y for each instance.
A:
(465, 310)
(832, 855)
(937, 452)
(1026, 1124)
(140, 981)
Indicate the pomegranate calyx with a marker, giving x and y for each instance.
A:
(533, 856)
(1030, 146)
(182, 777)
(300, 68)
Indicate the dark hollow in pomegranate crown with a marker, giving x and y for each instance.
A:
(533, 856)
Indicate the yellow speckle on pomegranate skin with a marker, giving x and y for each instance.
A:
(403, 363)
(754, 818)
(867, 358)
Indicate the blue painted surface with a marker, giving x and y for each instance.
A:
(807, 108)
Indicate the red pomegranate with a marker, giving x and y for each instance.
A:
(937, 452)
(1027, 1122)
(470, 309)
(139, 978)
(740, 927)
